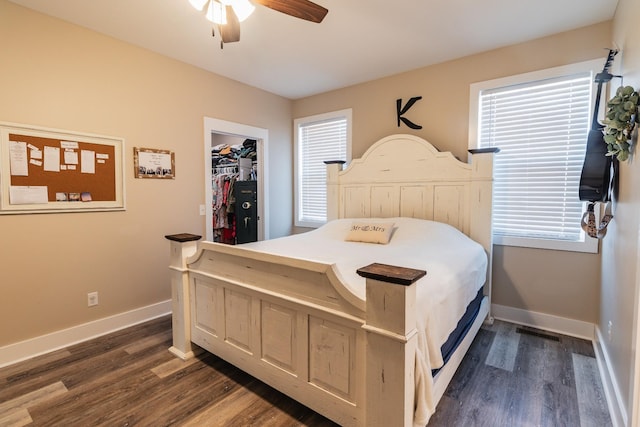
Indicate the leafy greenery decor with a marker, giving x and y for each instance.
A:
(620, 120)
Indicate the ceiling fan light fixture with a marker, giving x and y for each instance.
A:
(198, 4)
(227, 15)
(216, 13)
(242, 8)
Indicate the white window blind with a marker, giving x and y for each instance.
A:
(317, 141)
(541, 129)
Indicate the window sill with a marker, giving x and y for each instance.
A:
(588, 246)
(308, 224)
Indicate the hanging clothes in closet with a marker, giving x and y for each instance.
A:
(223, 205)
(225, 161)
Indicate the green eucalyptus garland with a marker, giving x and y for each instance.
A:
(620, 120)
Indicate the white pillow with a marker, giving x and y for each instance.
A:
(370, 232)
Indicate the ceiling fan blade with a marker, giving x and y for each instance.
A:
(230, 32)
(302, 9)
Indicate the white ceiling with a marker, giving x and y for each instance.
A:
(359, 40)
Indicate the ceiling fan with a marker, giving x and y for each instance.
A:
(227, 14)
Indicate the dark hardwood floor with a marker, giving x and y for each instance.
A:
(512, 376)
(520, 376)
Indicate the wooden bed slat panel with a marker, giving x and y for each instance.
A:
(416, 201)
(238, 320)
(357, 201)
(332, 357)
(385, 201)
(206, 309)
(279, 336)
(449, 206)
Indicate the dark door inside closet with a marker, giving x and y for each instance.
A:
(246, 195)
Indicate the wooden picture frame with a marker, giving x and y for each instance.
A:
(41, 168)
(153, 163)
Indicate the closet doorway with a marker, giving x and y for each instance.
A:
(220, 132)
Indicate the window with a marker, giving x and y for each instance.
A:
(540, 122)
(317, 138)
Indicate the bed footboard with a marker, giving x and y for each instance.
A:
(291, 324)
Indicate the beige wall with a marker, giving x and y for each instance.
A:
(444, 109)
(559, 283)
(58, 75)
(620, 250)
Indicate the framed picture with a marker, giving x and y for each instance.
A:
(152, 163)
(46, 170)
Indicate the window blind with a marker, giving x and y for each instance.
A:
(318, 141)
(541, 129)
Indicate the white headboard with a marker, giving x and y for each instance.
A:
(404, 175)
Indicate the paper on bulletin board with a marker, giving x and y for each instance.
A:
(18, 158)
(52, 159)
(88, 164)
(28, 195)
(70, 157)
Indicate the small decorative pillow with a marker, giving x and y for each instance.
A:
(370, 232)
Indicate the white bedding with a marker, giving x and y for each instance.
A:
(456, 270)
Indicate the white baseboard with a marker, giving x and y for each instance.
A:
(548, 322)
(27, 349)
(617, 410)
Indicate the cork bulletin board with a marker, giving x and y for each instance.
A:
(47, 170)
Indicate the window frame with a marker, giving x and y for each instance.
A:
(587, 245)
(297, 124)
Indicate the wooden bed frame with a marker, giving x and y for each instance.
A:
(294, 325)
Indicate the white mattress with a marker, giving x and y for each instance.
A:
(456, 270)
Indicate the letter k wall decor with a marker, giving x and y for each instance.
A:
(402, 110)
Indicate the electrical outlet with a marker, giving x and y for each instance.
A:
(609, 329)
(203, 212)
(92, 299)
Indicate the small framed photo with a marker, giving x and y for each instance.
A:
(61, 197)
(152, 163)
(74, 197)
(85, 196)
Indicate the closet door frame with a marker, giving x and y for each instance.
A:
(217, 126)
